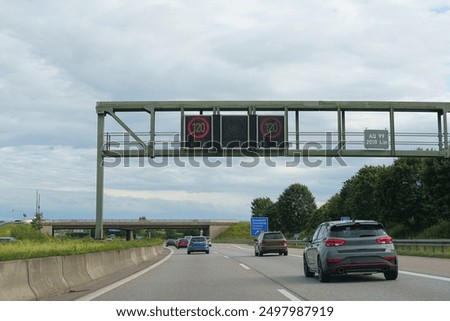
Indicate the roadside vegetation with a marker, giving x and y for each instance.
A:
(31, 243)
(424, 250)
(236, 233)
(411, 198)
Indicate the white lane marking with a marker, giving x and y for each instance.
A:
(296, 255)
(226, 257)
(244, 266)
(110, 287)
(434, 277)
(288, 295)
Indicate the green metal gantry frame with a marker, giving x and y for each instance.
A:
(149, 144)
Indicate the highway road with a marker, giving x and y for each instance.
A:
(233, 273)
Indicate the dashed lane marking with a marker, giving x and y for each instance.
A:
(428, 276)
(289, 295)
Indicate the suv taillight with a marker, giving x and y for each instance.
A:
(335, 242)
(384, 240)
(284, 242)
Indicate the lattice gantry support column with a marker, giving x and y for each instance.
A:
(100, 176)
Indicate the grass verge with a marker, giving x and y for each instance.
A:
(34, 244)
(21, 250)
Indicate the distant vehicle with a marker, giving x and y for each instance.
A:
(198, 244)
(171, 242)
(7, 239)
(182, 243)
(346, 247)
(271, 242)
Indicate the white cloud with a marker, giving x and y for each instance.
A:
(59, 58)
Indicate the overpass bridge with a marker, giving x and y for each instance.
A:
(210, 227)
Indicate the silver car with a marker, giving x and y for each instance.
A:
(346, 247)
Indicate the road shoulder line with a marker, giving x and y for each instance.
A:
(110, 287)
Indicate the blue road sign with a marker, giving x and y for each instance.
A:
(258, 224)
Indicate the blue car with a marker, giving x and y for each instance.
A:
(198, 244)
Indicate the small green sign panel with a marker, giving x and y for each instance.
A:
(376, 139)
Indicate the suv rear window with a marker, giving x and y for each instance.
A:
(273, 236)
(357, 230)
(198, 239)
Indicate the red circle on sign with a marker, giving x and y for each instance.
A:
(273, 134)
(192, 130)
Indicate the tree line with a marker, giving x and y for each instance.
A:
(411, 198)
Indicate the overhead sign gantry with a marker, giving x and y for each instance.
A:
(264, 128)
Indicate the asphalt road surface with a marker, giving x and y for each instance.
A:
(233, 273)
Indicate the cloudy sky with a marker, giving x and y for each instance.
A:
(58, 58)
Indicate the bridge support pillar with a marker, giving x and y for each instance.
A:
(47, 229)
(130, 235)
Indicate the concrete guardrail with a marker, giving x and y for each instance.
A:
(37, 279)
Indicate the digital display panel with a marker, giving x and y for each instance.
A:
(198, 131)
(234, 131)
(271, 131)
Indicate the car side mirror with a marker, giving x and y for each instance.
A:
(307, 239)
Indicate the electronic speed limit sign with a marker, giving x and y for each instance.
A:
(271, 131)
(234, 131)
(198, 131)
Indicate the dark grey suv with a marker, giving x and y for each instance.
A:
(345, 247)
